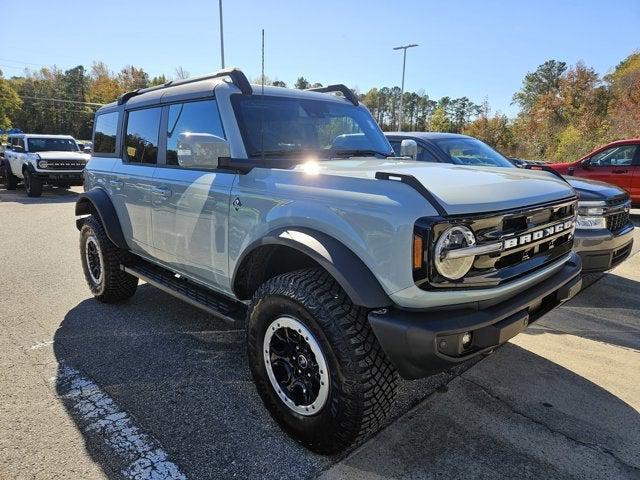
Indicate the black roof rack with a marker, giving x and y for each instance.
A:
(235, 74)
(346, 91)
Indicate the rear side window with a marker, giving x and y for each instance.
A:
(141, 143)
(104, 139)
(197, 120)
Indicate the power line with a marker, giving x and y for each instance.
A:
(63, 100)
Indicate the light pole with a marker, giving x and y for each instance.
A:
(404, 62)
(221, 36)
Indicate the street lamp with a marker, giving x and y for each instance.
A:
(404, 61)
(221, 36)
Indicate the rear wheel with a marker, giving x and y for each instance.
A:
(101, 261)
(32, 184)
(317, 365)
(10, 180)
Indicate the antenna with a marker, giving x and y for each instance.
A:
(262, 101)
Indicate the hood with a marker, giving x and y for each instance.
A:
(64, 156)
(462, 189)
(592, 190)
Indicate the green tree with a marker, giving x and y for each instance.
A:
(440, 122)
(131, 78)
(302, 83)
(543, 81)
(10, 104)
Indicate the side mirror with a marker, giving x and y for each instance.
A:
(87, 149)
(586, 164)
(409, 148)
(201, 150)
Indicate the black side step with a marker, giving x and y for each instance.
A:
(217, 305)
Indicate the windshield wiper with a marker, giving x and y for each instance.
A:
(359, 153)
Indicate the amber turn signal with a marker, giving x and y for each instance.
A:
(417, 252)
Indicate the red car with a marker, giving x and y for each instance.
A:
(617, 163)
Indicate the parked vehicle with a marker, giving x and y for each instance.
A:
(617, 163)
(604, 232)
(40, 160)
(285, 209)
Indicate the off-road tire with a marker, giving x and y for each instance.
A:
(113, 285)
(10, 180)
(33, 185)
(362, 380)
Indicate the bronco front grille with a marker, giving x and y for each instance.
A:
(65, 165)
(524, 248)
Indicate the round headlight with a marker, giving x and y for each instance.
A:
(452, 239)
(43, 164)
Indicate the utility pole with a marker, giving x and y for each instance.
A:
(221, 36)
(404, 62)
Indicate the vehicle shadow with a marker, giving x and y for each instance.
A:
(184, 378)
(514, 415)
(605, 310)
(49, 195)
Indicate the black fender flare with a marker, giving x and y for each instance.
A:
(357, 280)
(28, 166)
(98, 201)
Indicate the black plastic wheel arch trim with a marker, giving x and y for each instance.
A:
(98, 200)
(350, 272)
(414, 183)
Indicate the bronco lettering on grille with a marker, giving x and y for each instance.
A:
(538, 234)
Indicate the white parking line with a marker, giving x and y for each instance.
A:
(145, 457)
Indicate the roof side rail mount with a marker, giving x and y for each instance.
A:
(545, 168)
(414, 183)
(236, 75)
(346, 91)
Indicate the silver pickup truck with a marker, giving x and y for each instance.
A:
(286, 210)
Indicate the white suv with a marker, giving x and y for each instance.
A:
(43, 159)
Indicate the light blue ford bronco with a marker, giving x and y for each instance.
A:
(286, 210)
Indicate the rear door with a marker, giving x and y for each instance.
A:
(612, 165)
(191, 203)
(634, 188)
(132, 178)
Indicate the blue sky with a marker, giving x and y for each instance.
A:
(474, 48)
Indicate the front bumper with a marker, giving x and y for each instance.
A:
(66, 178)
(602, 250)
(422, 343)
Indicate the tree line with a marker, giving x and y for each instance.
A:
(564, 110)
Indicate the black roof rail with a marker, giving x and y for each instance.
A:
(235, 74)
(414, 183)
(544, 168)
(346, 91)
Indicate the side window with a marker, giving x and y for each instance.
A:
(614, 157)
(104, 139)
(395, 144)
(20, 144)
(190, 130)
(425, 155)
(141, 142)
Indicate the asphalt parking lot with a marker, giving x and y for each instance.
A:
(156, 389)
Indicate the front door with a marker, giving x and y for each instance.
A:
(191, 203)
(613, 165)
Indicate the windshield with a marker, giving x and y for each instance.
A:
(294, 126)
(52, 145)
(469, 151)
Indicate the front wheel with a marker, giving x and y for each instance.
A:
(32, 184)
(317, 365)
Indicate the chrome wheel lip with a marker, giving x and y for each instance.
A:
(323, 394)
(92, 240)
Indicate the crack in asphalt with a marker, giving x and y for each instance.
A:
(592, 446)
